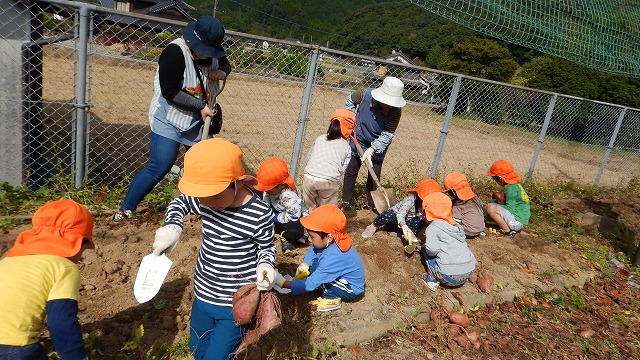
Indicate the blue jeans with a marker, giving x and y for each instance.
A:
(434, 274)
(214, 332)
(29, 352)
(163, 154)
(338, 288)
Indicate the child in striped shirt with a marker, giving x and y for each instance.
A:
(237, 242)
(327, 160)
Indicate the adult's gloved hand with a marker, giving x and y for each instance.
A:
(284, 217)
(265, 277)
(408, 234)
(367, 154)
(302, 272)
(166, 239)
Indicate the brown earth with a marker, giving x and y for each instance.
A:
(394, 298)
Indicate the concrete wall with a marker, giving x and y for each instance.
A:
(14, 31)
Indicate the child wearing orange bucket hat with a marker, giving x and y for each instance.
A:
(327, 160)
(333, 265)
(39, 278)
(467, 206)
(281, 193)
(237, 242)
(448, 258)
(406, 215)
(514, 214)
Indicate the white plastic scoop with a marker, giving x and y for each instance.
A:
(153, 269)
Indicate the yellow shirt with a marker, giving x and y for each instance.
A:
(26, 284)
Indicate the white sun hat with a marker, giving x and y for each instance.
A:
(390, 92)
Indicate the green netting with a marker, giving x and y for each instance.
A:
(600, 34)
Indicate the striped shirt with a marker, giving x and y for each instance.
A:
(234, 242)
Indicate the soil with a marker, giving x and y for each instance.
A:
(394, 299)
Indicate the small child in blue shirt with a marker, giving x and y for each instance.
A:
(333, 265)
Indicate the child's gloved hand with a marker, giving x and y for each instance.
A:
(408, 234)
(166, 239)
(302, 272)
(284, 217)
(265, 277)
(279, 279)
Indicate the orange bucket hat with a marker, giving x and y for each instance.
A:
(437, 206)
(273, 172)
(59, 228)
(458, 182)
(425, 187)
(347, 121)
(331, 220)
(210, 166)
(505, 170)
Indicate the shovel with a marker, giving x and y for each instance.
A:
(410, 248)
(153, 270)
(383, 198)
(213, 100)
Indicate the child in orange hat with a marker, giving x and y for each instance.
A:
(280, 192)
(39, 278)
(449, 260)
(327, 160)
(467, 207)
(407, 214)
(514, 214)
(333, 265)
(237, 242)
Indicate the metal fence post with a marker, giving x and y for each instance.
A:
(81, 129)
(303, 118)
(543, 132)
(445, 125)
(612, 141)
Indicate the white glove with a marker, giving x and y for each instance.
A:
(265, 277)
(367, 154)
(282, 290)
(302, 268)
(284, 217)
(279, 279)
(166, 239)
(408, 234)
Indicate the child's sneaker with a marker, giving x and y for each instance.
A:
(324, 305)
(369, 231)
(432, 285)
(303, 239)
(510, 234)
(122, 215)
(287, 247)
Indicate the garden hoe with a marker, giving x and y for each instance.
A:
(383, 198)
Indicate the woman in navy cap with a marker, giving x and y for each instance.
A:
(179, 103)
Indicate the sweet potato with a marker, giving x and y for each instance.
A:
(462, 340)
(484, 282)
(245, 303)
(249, 338)
(269, 312)
(459, 319)
(453, 330)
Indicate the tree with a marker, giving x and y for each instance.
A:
(481, 58)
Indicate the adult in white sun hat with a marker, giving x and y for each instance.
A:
(378, 113)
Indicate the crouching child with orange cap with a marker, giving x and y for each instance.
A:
(406, 215)
(467, 206)
(39, 278)
(333, 265)
(285, 200)
(514, 214)
(449, 260)
(237, 242)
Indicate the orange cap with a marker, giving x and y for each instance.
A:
(505, 170)
(331, 220)
(437, 206)
(425, 187)
(58, 229)
(273, 172)
(458, 182)
(210, 166)
(347, 121)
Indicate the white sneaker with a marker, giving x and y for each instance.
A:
(122, 215)
(369, 231)
(433, 286)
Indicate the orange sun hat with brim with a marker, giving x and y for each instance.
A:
(347, 121)
(458, 182)
(331, 220)
(505, 170)
(59, 228)
(273, 172)
(437, 206)
(210, 166)
(425, 187)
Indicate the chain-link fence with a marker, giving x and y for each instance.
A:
(78, 80)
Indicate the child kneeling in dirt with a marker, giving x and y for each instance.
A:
(449, 260)
(237, 242)
(467, 207)
(39, 278)
(280, 191)
(407, 214)
(331, 264)
(512, 216)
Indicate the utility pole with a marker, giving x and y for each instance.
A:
(215, 6)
